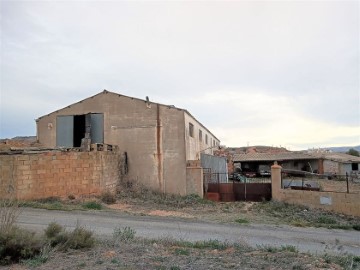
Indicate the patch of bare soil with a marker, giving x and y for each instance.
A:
(135, 209)
(163, 254)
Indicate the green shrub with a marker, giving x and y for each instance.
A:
(92, 205)
(326, 220)
(49, 200)
(242, 221)
(124, 234)
(274, 249)
(39, 259)
(181, 251)
(18, 244)
(53, 230)
(210, 244)
(108, 197)
(79, 238)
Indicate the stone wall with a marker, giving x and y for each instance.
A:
(344, 203)
(56, 173)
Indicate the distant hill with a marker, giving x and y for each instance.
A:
(343, 149)
(21, 138)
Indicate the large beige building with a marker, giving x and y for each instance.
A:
(156, 140)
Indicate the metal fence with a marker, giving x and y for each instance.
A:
(245, 189)
(300, 180)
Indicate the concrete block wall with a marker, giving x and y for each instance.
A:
(344, 203)
(55, 173)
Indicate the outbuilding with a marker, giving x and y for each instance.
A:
(157, 141)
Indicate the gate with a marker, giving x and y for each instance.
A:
(250, 190)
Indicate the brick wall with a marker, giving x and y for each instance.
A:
(344, 203)
(56, 173)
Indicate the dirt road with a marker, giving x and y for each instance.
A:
(314, 240)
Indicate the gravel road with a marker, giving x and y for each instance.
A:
(314, 240)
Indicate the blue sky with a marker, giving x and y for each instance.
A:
(254, 72)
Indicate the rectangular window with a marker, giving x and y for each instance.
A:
(191, 130)
(206, 139)
(200, 135)
(355, 166)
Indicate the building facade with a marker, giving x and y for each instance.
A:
(156, 140)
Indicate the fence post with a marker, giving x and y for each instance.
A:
(275, 180)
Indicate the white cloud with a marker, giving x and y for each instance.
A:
(263, 72)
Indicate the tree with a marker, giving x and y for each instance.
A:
(353, 152)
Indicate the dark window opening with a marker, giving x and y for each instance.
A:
(79, 129)
(355, 166)
(200, 135)
(191, 130)
(206, 138)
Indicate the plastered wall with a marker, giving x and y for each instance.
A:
(194, 181)
(152, 135)
(194, 144)
(60, 174)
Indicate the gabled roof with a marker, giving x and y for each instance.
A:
(272, 157)
(119, 95)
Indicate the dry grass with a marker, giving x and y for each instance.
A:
(171, 254)
(9, 211)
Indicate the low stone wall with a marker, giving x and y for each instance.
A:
(344, 203)
(56, 173)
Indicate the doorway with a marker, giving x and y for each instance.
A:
(71, 129)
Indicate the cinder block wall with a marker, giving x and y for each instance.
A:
(55, 173)
(344, 203)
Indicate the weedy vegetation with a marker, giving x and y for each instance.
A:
(92, 205)
(302, 216)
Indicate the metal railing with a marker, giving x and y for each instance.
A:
(300, 180)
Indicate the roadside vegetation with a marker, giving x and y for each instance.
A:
(137, 193)
(71, 203)
(138, 200)
(302, 216)
(126, 251)
(21, 245)
(59, 248)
